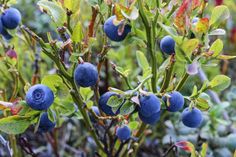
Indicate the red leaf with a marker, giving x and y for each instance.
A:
(185, 145)
(183, 14)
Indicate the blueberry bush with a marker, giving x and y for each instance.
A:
(117, 78)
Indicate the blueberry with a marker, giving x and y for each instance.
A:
(6, 35)
(103, 103)
(167, 45)
(149, 105)
(1, 26)
(191, 118)
(123, 133)
(86, 75)
(151, 119)
(39, 97)
(176, 101)
(111, 30)
(45, 125)
(96, 111)
(11, 18)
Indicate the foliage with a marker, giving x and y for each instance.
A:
(64, 33)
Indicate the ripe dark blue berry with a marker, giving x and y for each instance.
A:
(45, 124)
(176, 101)
(6, 35)
(11, 18)
(151, 119)
(123, 133)
(167, 45)
(103, 104)
(86, 75)
(96, 111)
(39, 97)
(149, 105)
(112, 31)
(191, 118)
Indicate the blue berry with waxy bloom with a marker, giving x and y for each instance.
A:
(11, 18)
(112, 31)
(176, 101)
(86, 75)
(39, 97)
(103, 104)
(123, 133)
(149, 105)
(191, 117)
(45, 125)
(167, 45)
(151, 119)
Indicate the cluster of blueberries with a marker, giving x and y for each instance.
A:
(40, 97)
(9, 20)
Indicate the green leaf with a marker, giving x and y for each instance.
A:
(202, 104)
(142, 60)
(56, 11)
(55, 83)
(120, 70)
(217, 47)
(115, 109)
(133, 125)
(204, 150)
(225, 57)
(77, 34)
(115, 101)
(78, 115)
(189, 46)
(127, 108)
(170, 30)
(14, 124)
(51, 115)
(72, 5)
(220, 82)
(194, 92)
(86, 93)
(219, 14)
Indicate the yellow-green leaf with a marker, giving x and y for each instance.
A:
(225, 57)
(77, 35)
(189, 46)
(220, 82)
(56, 11)
(217, 47)
(14, 124)
(219, 14)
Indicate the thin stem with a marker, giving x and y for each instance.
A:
(182, 81)
(168, 74)
(150, 44)
(168, 151)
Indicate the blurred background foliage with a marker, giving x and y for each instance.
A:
(218, 129)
